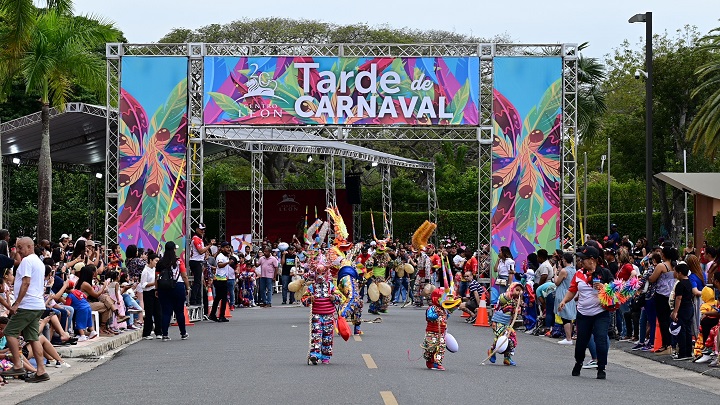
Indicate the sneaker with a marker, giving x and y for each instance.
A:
(590, 364)
(529, 332)
(158, 337)
(703, 359)
(148, 338)
(565, 342)
(438, 367)
(132, 327)
(93, 335)
(626, 339)
(683, 358)
(135, 310)
(213, 318)
(714, 363)
(82, 339)
(646, 348)
(576, 369)
(509, 362)
(223, 320)
(601, 375)
(184, 337)
(637, 347)
(166, 338)
(60, 364)
(492, 357)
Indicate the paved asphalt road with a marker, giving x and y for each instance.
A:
(259, 358)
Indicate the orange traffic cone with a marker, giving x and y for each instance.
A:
(210, 297)
(657, 345)
(465, 315)
(187, 319)
(227, 312)
(482, 315)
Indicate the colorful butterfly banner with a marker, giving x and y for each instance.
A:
(338, 90)
(527, 117)
(152, 152)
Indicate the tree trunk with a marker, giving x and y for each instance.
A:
(44, 178)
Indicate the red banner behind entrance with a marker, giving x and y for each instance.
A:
(283, 211)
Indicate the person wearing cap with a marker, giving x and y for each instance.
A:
(593, 320)
(220, 283)
(173, 300)
(614, 236)
(197, 256)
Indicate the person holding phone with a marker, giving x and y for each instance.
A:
(593, 320)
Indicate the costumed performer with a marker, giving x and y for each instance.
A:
(420, 245)
(380, 259)
(436, 316)
(503, 314)
(351, 308)
(321, 296)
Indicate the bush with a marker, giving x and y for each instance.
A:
(631, 224)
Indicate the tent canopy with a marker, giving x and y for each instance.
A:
(707, 184)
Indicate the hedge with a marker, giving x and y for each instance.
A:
(631, 224)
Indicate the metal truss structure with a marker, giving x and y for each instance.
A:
(328, 140)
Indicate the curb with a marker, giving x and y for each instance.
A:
(100, 345)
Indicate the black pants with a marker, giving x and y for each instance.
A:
(685, 343)
(152, 314)
(196, 270)
(662, 308)
(220, 296)
(593, 327)
(632, 323)
(706, 324)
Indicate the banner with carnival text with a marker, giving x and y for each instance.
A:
(341, 90)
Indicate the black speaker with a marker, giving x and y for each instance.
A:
(352, 187)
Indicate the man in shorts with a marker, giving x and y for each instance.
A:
(27, 310)
(476, 291)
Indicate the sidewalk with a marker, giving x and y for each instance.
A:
(99, 346)
(666, 359)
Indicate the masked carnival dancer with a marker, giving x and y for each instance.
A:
(443, 302)
(321, 296)
(504, 314)
(380, 259)
(350, 283)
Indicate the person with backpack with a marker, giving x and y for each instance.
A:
(172, 286)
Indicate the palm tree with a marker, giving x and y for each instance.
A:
(704, 129)
(591, 98)
(51, 51)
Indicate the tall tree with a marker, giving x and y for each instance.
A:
(50, 50)
(704, 131)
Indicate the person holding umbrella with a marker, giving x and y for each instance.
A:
(592, 319)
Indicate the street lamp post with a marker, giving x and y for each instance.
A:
(647, 19)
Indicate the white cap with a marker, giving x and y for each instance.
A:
(64, 236)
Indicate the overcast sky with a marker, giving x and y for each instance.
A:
(602, 23)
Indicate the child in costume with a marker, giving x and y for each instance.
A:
(351, 308)
(436, 317)
(503, 314)
(247, 278)
(321, 296)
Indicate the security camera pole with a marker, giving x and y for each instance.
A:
(647, 19)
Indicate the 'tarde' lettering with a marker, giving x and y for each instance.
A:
(366, 100)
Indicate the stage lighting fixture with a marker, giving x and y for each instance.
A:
(98, 175)
(309, 158)
(16, 161)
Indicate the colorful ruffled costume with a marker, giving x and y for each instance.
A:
(248, 285)
(422, 274)
(436, 317)
(380, 260)
(502, 317)
(321, 296)
(349, 283)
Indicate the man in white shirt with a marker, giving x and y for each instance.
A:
(220, 283)
(27, 310)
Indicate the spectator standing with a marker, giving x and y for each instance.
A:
(614, 236)
(268, 272)
(664, 276)
(592, 320)
(504, 268)
(569, 311)
(27, 310)
(703, 258)
(150, 298)
(288, 262)
(697, 279)
(220, 283)
(197, 257)
(683, 312)
(173, 300)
